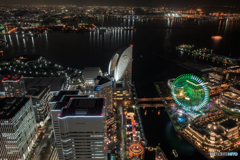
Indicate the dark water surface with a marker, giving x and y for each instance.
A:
(152, 40)
(159, 129)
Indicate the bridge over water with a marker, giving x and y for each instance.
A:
(154, 102)
(154, 99)
(155, 105)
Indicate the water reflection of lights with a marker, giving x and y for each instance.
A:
(24, 42)
(33, 42)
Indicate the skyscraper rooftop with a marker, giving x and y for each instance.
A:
(83, 106)
(12, 78)
(10, 106)
(62, 93)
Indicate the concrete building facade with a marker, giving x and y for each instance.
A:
(40, 97)
(14, 86)
(82, 129)
(18, 128)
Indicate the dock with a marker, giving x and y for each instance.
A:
(207, 53)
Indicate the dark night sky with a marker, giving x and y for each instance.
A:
(126, 2)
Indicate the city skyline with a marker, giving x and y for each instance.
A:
(150, 3)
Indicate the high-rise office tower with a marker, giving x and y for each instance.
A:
(79, 126)
(57, 103)
(18, 128)
(82, 128)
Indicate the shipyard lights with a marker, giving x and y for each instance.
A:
(190, 92)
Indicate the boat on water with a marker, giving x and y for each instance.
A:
(216, 37)
(175, 153)
(184, 47)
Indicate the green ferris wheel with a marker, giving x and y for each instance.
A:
(190, 92)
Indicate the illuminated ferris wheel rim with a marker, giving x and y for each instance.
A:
(200, 83)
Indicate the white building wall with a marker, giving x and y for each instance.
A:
(82, 137)
(57, 133)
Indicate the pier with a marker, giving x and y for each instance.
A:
(208, 54)
(159, 154)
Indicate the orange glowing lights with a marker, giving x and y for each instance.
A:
(135, 149)
(12, 30)
(94, 26)
(217, 37)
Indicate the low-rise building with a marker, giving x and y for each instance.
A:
(230, 128)
(40, 97)
(90, 75)
(235, 88)
(129, 123)
(130, 112)
(218, 135)
(14, 86)
(111, 127)
(129, 130)
(55, 84)
(214, 75)
(230, 100)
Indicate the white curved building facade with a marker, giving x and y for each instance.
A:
(120, 65)
(112, 64)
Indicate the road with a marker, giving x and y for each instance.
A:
(43, 141)
(123, 142)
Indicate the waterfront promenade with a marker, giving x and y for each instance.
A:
(122, 149)
(190, 141)
(185, 137)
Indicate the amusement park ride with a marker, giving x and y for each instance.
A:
(190, 92)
